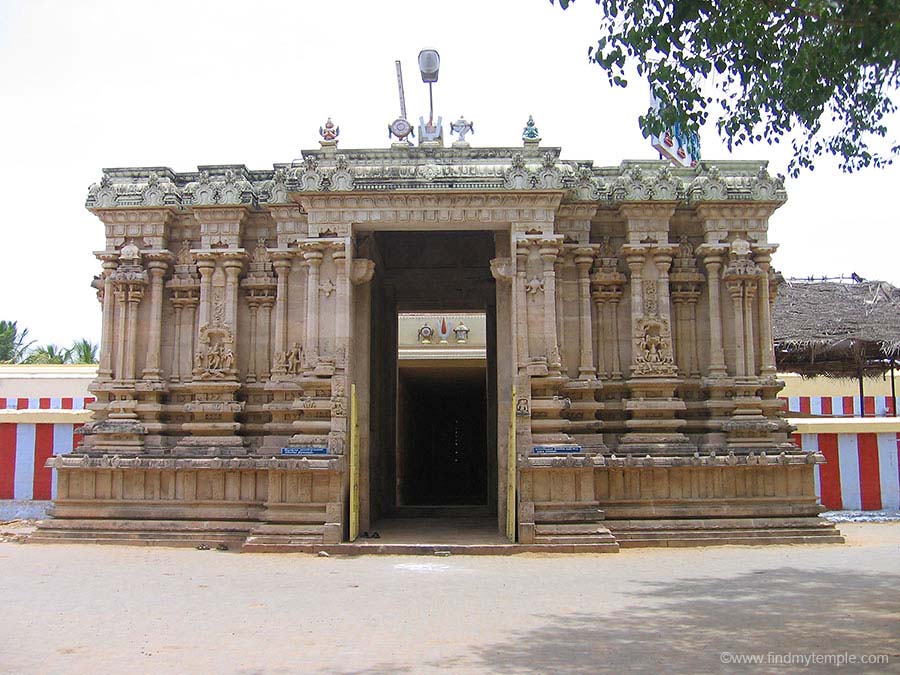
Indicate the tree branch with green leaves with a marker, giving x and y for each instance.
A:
(820, 72)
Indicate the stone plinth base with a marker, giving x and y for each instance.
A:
(195, 500)
(672, 501)
(573, 502)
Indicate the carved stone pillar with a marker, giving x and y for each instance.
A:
(740, 277)
(608, 285)
(635, 261)
(584, 259)
(176, 348)
(613, 311)
(157, 267)
(129, 281)
(766, 343)
(205, 266)
(106, 338)
(684, 283)
(253, 307)
(282, 261)
(736, 291)
(549, 251)
(184, 289)
(121, 294)
(342, 308)
(313, 258)
(520, 305)
(134, 295)
(263, 363)
(749, 319)
(712, 260)
(234, 265)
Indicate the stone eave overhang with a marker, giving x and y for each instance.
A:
(499, 171)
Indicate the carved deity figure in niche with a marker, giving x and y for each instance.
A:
(653, 348)
(215, 357)
(522, 408)
(294, 359)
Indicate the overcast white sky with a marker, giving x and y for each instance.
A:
(86, 85)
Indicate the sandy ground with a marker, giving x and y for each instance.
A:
(119, 609)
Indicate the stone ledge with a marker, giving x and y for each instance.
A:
(333, 463)
(666, 461)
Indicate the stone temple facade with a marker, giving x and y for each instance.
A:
(629, 306)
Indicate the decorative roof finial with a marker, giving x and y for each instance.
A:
(329, 134)
(462, 126)
(530, 134)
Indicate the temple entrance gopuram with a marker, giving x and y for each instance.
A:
(628, 307)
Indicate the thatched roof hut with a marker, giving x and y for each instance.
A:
(837, 329)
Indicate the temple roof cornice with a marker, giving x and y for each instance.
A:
(448, 171)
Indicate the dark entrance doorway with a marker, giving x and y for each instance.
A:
(442, 439)
(432, 450)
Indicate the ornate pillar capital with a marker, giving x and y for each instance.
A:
(362, 271)
(502, 269)
(584, 258)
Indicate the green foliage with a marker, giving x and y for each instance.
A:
(46, 354)
(83, 351)
(13, 343)
(818, 71)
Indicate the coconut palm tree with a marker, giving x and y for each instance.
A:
(46, 354)
(84, 351)
(13, 343)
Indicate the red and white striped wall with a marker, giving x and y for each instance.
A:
(862, 470)
(31, 431)
(840, 406)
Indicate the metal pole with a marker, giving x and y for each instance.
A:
(893, 389)
(400, 87)
(430, 107)
(354, 466)
(862, 399)
(511, 473)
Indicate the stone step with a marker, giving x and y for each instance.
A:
(172, 539)
(669, 524)
(354, 549)
(281, 543)
(568, 528)
(112, 525)
(720, 536)
(574, 539)
(548, 517)
(711, 534)
(724, 540)
(288, 530)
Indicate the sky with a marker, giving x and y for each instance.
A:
(92, 84)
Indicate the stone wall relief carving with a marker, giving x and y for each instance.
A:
(291, 361)
(740, 263)
(534, 286)
(653, 347)
(215, 358)
(218, 295)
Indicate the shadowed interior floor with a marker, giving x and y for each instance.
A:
(435, 531)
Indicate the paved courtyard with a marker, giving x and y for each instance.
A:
(120, 609)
